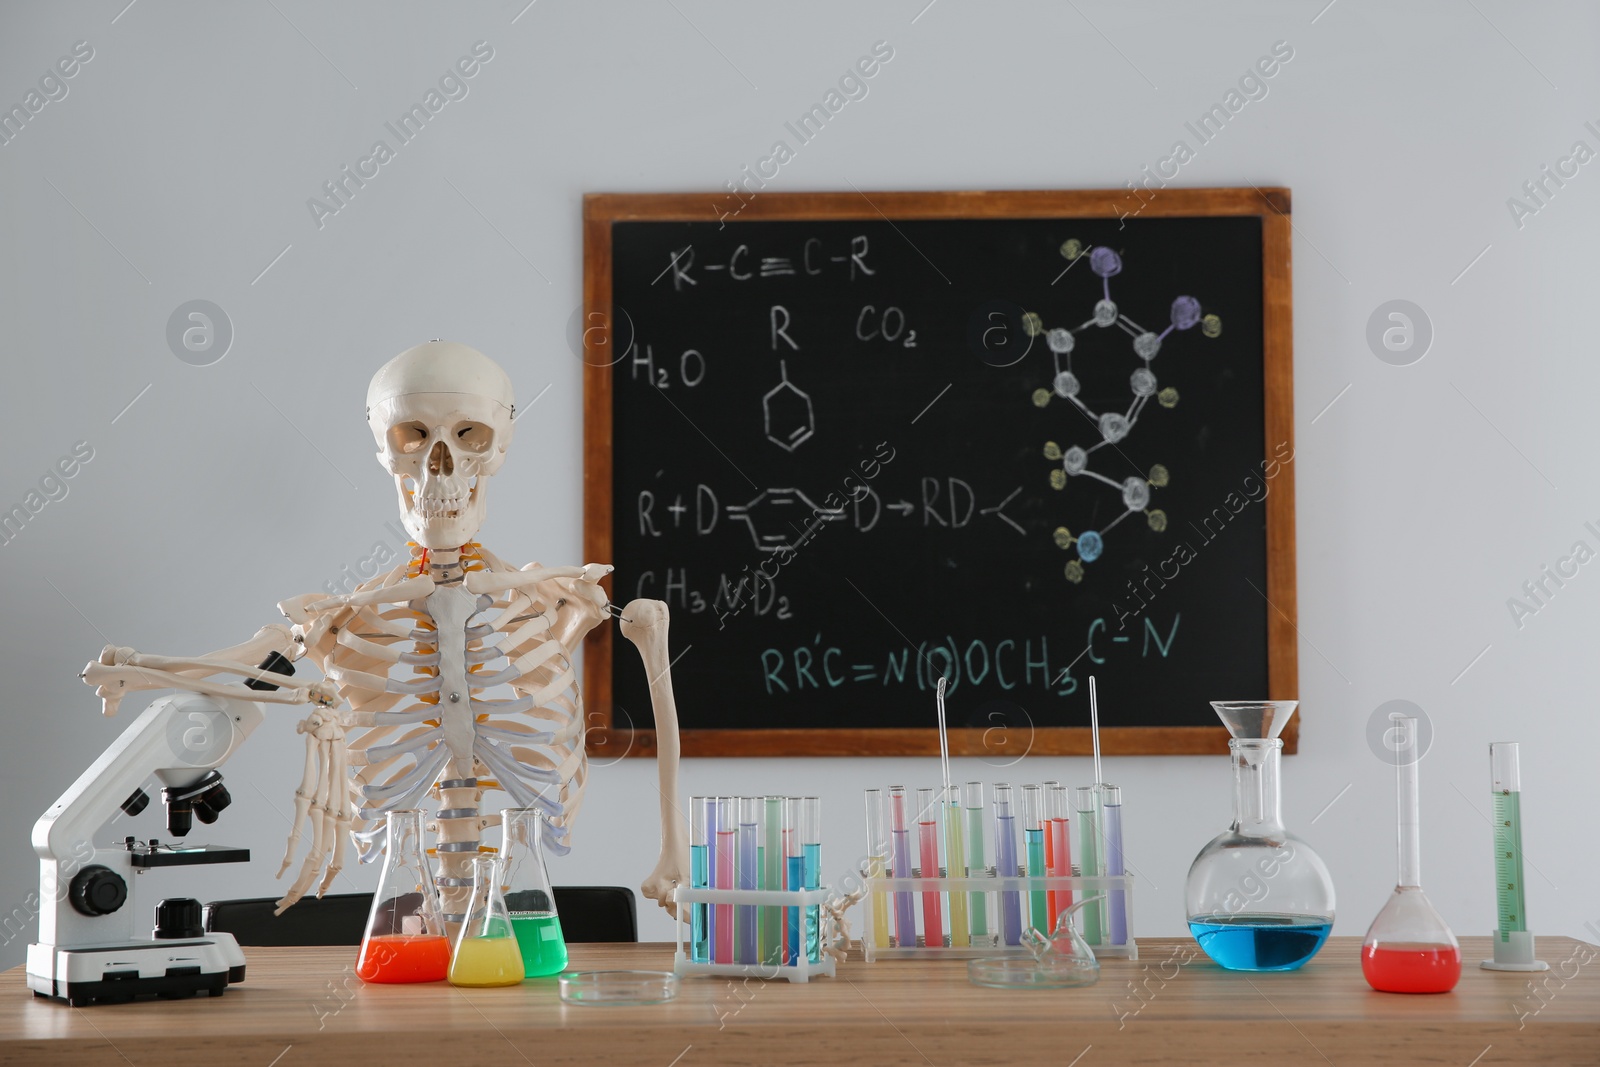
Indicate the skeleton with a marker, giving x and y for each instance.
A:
(411, 659)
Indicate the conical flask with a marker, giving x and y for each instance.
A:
(1408, 948)
(1258, 897)
(486, 948)
(404, 939)
(529, 898)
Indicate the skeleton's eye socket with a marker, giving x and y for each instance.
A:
(474, 437)
(408, 437)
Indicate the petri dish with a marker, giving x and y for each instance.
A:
(1023, 972)
(618, 987)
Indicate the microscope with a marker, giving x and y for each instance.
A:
(89, 949)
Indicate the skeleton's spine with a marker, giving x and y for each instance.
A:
(457, 845)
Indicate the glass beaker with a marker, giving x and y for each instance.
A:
(486, 947)
(530, 900)
(405, 939)
(1258, 897)
(1408, 948)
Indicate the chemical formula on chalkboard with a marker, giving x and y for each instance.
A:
(858, 455)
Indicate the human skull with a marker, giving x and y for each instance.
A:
(442, 416)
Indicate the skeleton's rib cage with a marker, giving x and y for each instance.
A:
(415, 658)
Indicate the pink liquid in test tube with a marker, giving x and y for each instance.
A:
(1056, 808)
(724, 878)
(928, 860)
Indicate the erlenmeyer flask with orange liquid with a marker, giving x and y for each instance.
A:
(405, 939)
(486, 952)
(1409, 949)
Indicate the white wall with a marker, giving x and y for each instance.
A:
(179, 164)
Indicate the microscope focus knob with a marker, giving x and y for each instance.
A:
(97, 890)
(178, 918)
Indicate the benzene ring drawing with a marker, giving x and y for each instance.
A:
(786, 413)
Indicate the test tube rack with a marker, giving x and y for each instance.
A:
(803, 970)
(990, 887)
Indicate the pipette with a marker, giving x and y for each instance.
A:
(1513, 944)
(1108, 826)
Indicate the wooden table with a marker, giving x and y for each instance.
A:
(1173, 1006)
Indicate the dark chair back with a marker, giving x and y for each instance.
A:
(588, 913)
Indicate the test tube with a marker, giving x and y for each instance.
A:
(811, 849)
(905, 920)
(1005, 863)
(1089, 859)
(955, 862)
(699, 878)
(1033, 835)
(1060, 851)
(928, 861)
(749, 835)
(772, 878)
(1049, 851)
(877, 863)
(1116, 901)
(976, 867)
(726, 833)
(794, 877)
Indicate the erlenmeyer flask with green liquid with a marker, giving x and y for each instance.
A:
(530, 900)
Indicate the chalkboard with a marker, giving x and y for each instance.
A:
(859, 441)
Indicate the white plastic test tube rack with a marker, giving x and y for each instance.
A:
(882, 945)
(800, 971)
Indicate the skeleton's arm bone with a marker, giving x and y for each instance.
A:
(193, 666)
(644, 622)
(115, 682)
(273, 637)
(120, 671)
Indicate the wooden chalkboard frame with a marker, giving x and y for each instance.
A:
(1271, 205)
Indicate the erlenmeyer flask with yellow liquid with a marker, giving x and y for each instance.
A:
(486, 948)
(530, 901)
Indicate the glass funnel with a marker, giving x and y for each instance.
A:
(486, 947)
(1258, 897)
(404, 940)
(530, 901)
(1408, 948)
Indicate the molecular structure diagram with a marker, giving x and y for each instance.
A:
(1113, 426)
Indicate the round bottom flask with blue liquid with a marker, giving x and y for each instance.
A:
(1258, 897)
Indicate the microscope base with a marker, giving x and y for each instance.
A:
(106, 974)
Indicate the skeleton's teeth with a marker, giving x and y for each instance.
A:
(439, 507)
